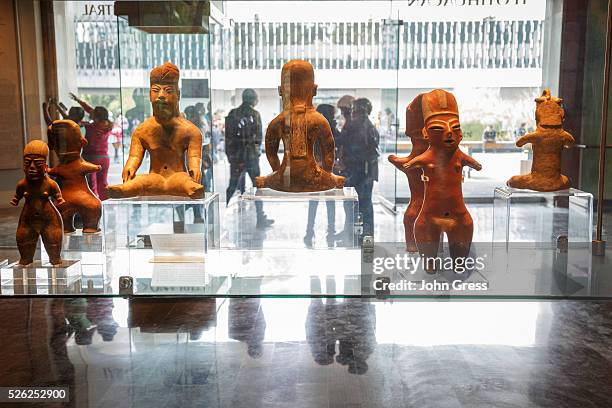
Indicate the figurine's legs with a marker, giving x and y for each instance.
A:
(27, 238)
(410, 216)
(141, 185)
(460, 237)
(68, 212)
(181, 184)
(91, 218)
(519, 181)
(52, 236)
(427, 236)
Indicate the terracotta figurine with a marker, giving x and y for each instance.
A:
(547, 142)
(174, 145)
(414, 130)
(66, 140)
(299, 126)
(39, 217)
(443, 209)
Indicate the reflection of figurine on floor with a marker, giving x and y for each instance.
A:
(97, 133)
(66, 140)
(246, 323)
(359, 143)
(174, 145)
(329, 112)
(39, 216)
(243, 136)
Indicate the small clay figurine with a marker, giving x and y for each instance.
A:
(443, 209)
(547, 142)
(66, 140)
(174, 145)
(39, 217)
(414, 130)
(299, 126)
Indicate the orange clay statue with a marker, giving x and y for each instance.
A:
(414, 129)
(66, 140)
(299, 126)
(547, 141)
(39, 217)
(168, 137)
(443, 209)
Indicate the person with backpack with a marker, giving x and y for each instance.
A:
(243, 137)
(360, 141)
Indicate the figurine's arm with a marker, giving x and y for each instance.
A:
(87, 167)
(135, 157)
(272, 144)
(56, 193)
(326, 140)
(194, 155)
(86, 107)
(470, 162)
(416, 163)
(399, 161)
(19, 190)
(568, 139)
(528, 138)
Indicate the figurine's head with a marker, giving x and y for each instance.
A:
(414, 119)
(165, 94)
(549, 110)
(345, 104)
(297, 84)
(65, 139)
(441, 119)
(35, 160)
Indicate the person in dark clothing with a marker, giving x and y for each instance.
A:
(359, 142)
(329, 112)
(243, 137)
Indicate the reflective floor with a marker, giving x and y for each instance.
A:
(244, 352)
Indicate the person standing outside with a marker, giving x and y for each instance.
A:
(243, 137)
(97, 132)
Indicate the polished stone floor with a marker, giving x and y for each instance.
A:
(243, 352)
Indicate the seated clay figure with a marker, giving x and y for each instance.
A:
(66, 140)
(443, 209)
(547, 142)
(299, 126)
(414, 130)
(39, 216)
(174, 145)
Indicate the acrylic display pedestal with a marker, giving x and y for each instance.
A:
(40, 277)
(544, 218)
(87, 248)
(161, 236)
(329, 217)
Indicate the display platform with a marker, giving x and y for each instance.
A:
(273, 219)
(147, 235)
(28, 279)
(87, 248)
(547, 218)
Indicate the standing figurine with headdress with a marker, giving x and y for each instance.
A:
(174, 145)
(299, 126)
(443, 209)
(39, 216)
(414, 130)
(547, 142)
(66, 140)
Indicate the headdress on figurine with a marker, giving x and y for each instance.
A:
(297, 76)
(549, 111)
(414, 116)
(65, 137)
(168, 73)
(36, 147)
(439, 102)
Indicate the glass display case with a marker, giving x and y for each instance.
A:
(370, 60)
